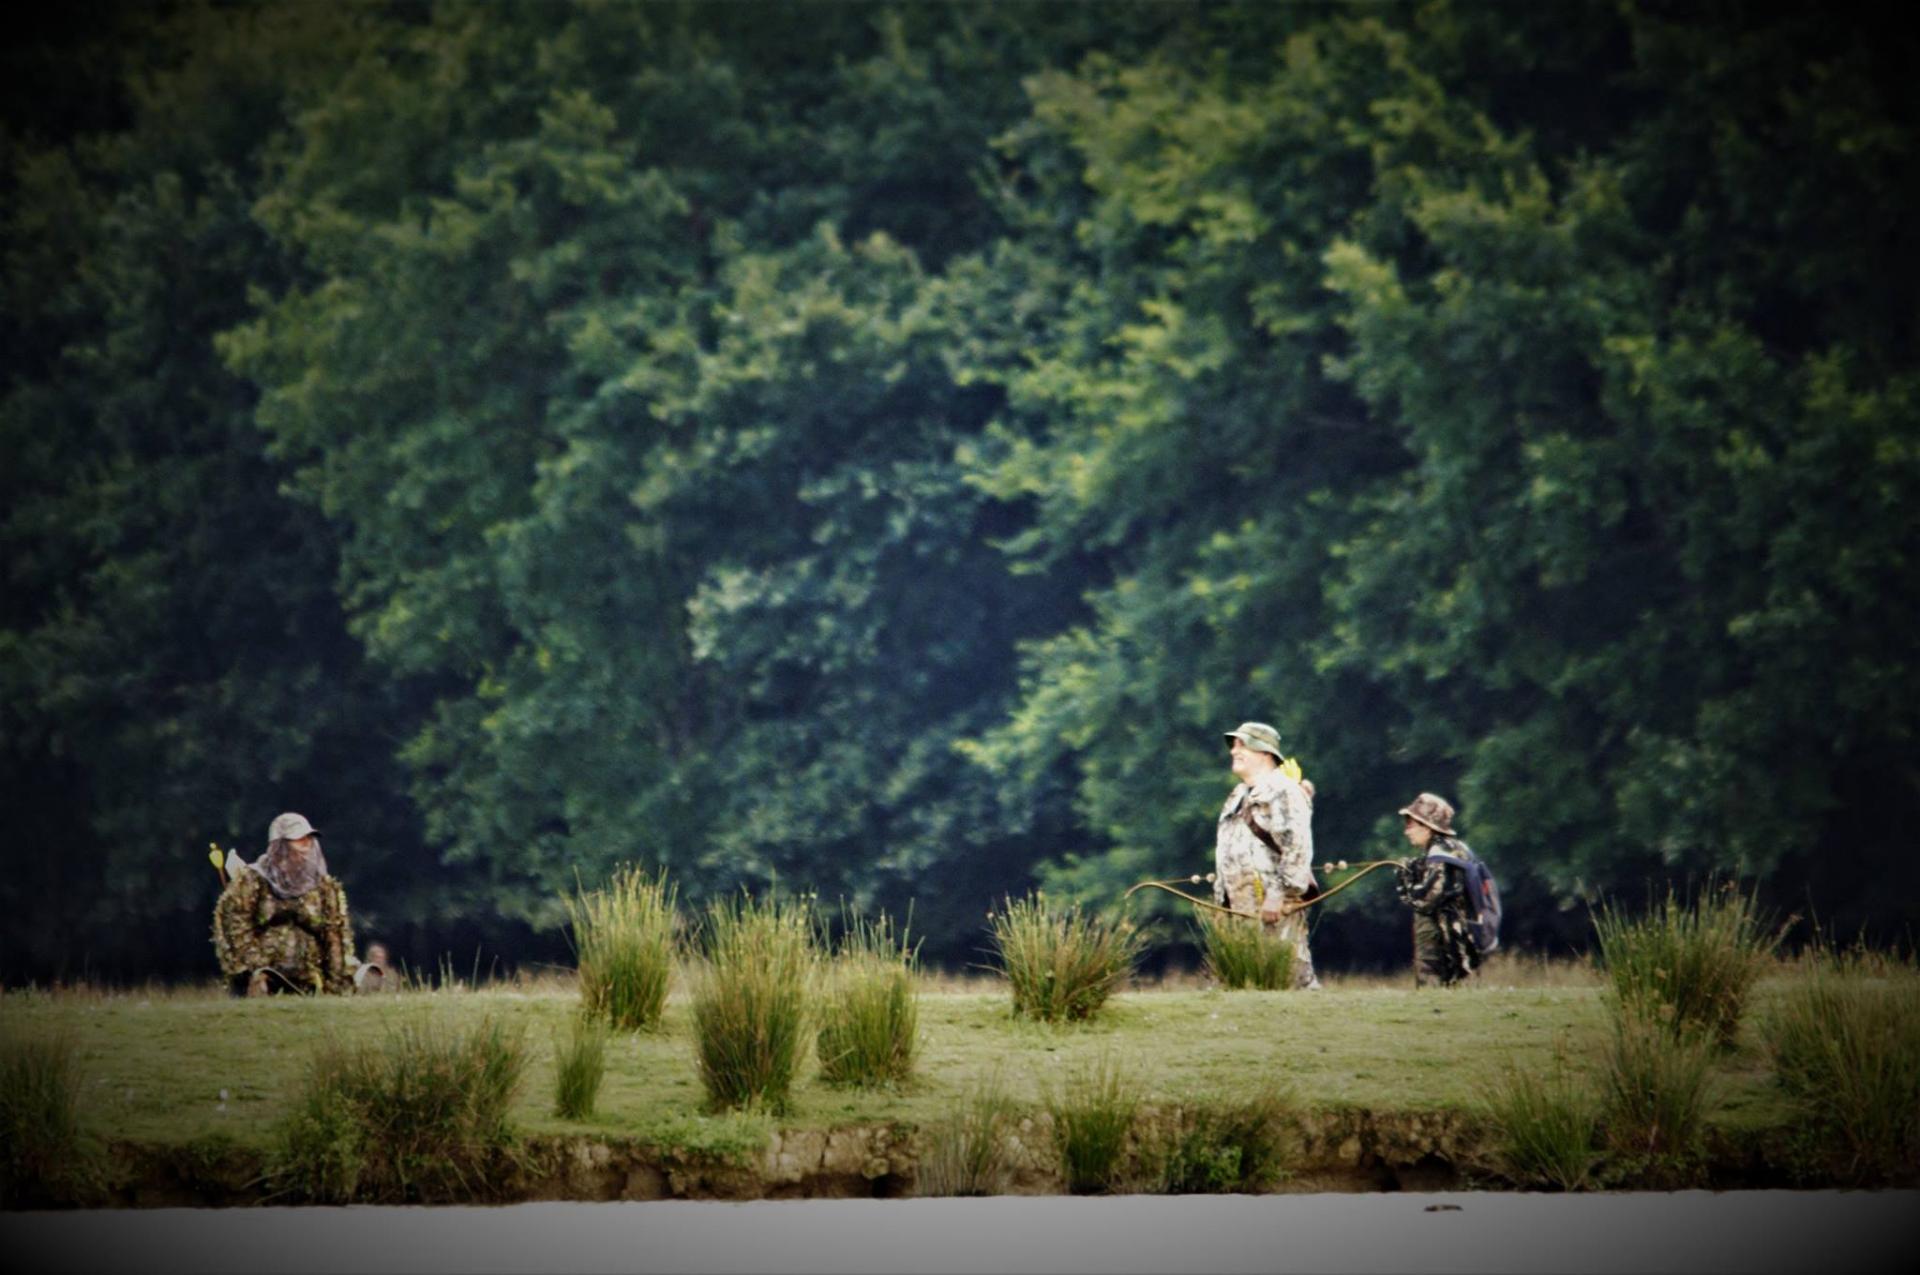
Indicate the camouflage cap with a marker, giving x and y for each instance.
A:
(1432, 811)
(290, 827)
(1258, 736)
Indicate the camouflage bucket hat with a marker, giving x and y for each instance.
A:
(1258, 736)
(290, 827)
(1432, 811)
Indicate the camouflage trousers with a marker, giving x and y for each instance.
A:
(1443, 951)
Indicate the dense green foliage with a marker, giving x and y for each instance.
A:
(880, 446)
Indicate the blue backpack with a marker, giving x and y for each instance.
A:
(1483, 897)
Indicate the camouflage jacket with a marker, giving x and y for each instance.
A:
(1246, 870)
(309, 939)
(1430, 886)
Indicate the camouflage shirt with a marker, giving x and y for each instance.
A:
(1246, 870)
(308, 938)
(1429, 885)
(1443, 946)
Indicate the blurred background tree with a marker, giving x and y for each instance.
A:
(879, 447)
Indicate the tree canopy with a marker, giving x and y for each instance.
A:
(877, 448)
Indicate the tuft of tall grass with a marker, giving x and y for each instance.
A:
(624, 943)
(1844, 1038)
(1093, 1114)
(420, 1117)
(1545, 1127)
(579, 1065)
(750, 1001)
(1659, 1093)
(1239, 1145)
(1062, 964)
(1698, 958)
(967, 1154)
(40, 1140)
(1242, 953)
(870, 1014)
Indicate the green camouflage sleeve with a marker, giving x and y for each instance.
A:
(236, 939)
(337, 948)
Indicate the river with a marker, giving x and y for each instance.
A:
(1466, 1232)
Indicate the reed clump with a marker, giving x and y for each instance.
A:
(869, 1033)
(1844, 1039)
(1093, 1112)
(1227, 1146)
(1659, 1093)
(42, 1149)
(1061, 963)
(625, 937)
(579, 1065)
(1545, 1127)
(967, 1154)
(419, 1118)
(1243, 953)
(750, 1009)
(1690, 963)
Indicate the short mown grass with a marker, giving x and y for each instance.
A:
(165, 1070)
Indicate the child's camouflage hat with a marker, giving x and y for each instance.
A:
(1432, 811)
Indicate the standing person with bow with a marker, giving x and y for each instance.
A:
(1263, 843)
(281, 924)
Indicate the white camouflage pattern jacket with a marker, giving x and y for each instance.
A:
(1245, 871)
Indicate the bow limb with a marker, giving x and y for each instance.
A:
(1182, 894)
(1364, 868)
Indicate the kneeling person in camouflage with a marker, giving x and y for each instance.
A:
(281, 924)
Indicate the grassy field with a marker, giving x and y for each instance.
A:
(175, 1065)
